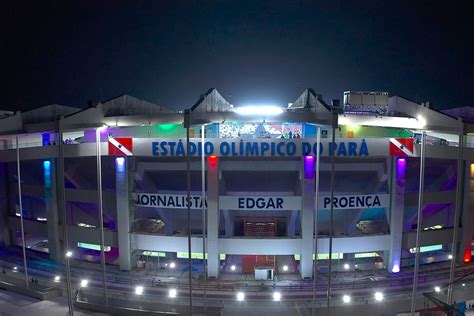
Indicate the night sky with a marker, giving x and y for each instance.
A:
(253, 52)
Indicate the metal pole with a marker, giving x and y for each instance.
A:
(101, 211)
(20, 203)
(203, 201)
(331, 211)
(62, 197)
(188, 175)
(419, 222)
(457, 212)
(315, 220)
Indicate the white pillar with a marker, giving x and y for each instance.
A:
(307, 216)
(213, 264)
(122, 190)
(467, 220)
(51, 205)
(397, 207)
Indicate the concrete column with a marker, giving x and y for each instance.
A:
(213, 264)
(307, 216)
(291, 224)
(397, 207)
(4, 207)
(123, 196)
(467, 219)
(229, 223)
(52, 212)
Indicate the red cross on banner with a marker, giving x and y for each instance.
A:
(121, 146)
(402, 147)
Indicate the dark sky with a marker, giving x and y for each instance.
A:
(252, 51)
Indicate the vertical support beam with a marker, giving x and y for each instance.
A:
(229, 223)
(123, 212)
(307, 216)
(397, 207)
(467, 217)
(291, 224)
(213, 265)
(101, 211)
(419, 222)
(457, 212)
(5, 207)
(20, 203)
(52, 215)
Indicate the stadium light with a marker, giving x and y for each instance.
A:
(172, 293)
(276, 296)
(437, 289)
(240, 296)
(346, 299)
(139, 290)
(346, 266)
(269, 110)
(172, 265)
(84, 283)
(378, 296)
(232, 267)
(57, 278)
(285, 268)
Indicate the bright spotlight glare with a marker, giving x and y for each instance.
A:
(172, 265)
(346, 299)
(450, 257)
(259, 110)
(139, 290)
(57, 278)
(240, 296)
(378, 296)
(464, 284)
(437, 289)
(69, 254)
(285, 268)
(396, 268)
(15, 269)
(172, 293)
(346, 266)
(276, 296)
(84, 283)
(232, 267)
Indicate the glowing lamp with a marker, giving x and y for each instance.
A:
(396, 268)
(259, 110)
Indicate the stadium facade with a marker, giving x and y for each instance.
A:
(266, 188)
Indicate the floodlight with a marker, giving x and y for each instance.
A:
(240, 296)
(172, 293)
(259, 110)
(346, 299)
(139, 290)
(276, 296)
(378, 296)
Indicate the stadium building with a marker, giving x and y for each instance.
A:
(277, 193)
